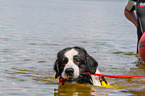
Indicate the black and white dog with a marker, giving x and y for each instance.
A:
(72, 62)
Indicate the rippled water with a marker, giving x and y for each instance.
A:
(33, 31)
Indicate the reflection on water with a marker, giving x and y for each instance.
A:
(128, 53)
(83, 90)
(74, 89)
(33, 31)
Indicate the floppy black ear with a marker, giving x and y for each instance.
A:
(92, 64)
(56, 68)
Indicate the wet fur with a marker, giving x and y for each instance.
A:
(85, 63)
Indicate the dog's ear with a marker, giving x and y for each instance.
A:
(56, 68)
(92, 64)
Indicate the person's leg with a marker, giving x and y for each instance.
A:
(140, 11)
(139, 34)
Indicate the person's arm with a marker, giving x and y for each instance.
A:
(129, 12)
(130, 15)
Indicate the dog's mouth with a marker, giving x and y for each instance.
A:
(70, 79)
(69, 73)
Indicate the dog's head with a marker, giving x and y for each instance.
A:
(73, 61)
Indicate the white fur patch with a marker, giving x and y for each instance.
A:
(95, 79)
(70, 54)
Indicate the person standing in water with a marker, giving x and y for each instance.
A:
(137, 19)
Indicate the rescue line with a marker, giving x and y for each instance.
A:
(112, 76)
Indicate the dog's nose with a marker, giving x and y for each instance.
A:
(69, 71)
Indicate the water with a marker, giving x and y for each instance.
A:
(33, 31)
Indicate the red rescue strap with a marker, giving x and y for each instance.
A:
(62, 80)
(111, 76)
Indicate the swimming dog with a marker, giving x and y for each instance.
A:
(71, 62)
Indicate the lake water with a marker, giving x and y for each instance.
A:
(32, 32)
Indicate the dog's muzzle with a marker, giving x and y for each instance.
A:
(69, 72)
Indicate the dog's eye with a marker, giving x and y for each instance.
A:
(65, 60)
(76, 60)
